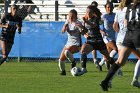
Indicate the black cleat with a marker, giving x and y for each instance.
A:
(1, 63)
(63, 73)
(100, 68)
(104, 86)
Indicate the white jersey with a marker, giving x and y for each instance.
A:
(120, 17)
(74, 35)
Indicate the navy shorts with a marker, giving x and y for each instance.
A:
(132, 39)
(97, 45)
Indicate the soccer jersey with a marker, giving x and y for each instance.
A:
(119, 17)
(74, 35)
(132, 36)
(93, 32)
(108, 25)
(8, 34)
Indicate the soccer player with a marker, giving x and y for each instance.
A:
(131, 42)
(94, 52)
(121, 29)
(9, 23)
(109, 33)
(74, 40)
(23, 10)
(93, 36)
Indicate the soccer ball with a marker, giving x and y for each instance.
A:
(75, 71)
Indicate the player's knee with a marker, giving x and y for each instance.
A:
(66, 52)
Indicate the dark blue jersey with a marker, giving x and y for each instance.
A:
(9, 33)
(93, 32)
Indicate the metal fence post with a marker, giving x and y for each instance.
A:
(56, 10)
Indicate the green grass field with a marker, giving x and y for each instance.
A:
(43, 77)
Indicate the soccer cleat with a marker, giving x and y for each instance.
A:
(120, 73)
(135, 83)
(107, 65)
(98, 66)
(83, 71)
(109, 84)
(104, 86)
(63, 73)
(2, 62)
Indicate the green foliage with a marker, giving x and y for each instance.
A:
(43, 77)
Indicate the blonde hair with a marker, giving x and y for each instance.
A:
(124, 3)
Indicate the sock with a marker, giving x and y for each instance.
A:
(111, 61)
(69, 55)
(61, 65)
(102, 62)
(111, 72)
(2, 60)
(137, 70)
(83, 60)
(113, 53)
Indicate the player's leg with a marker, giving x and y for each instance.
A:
(114, 50)
(124, 53)
(4, 53)
(85, 49)
(94, 53)
(136, 70)
(61, 64)
(69, 54)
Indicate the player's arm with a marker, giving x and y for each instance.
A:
(65, 27)
(2, 21)
(116, 26)
(19, 26)
(92, 24)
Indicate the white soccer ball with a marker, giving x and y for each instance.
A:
(75, 71)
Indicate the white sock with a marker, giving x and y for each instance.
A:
(69, 55)
(61, 65)
(102, 62)
(137, 70)
(113, 53)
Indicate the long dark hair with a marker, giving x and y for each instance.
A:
(74, 12)
(95, 10)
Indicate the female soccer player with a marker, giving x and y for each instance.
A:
(121, 29)
(109, 33)
(74, 41)
(93, 36)
(9, 23)
(131, 42)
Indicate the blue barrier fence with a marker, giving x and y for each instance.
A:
(42, 39)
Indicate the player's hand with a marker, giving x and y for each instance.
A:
(6, 25)
(19, 30)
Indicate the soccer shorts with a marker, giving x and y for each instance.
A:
(132, 39)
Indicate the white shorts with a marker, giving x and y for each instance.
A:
(107, 39)
(119, 45)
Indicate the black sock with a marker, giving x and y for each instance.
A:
(2, 60)
(111, 61)
(83, 60)
(73, 64)
(111, 72)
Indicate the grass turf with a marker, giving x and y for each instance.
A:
(43, 77)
